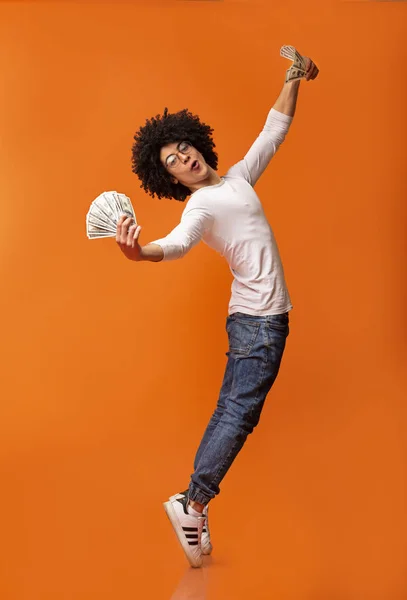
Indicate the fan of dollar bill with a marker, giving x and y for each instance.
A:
(298, 69)
(105, 212)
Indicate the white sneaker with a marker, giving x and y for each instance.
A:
(206, 536)
(206, 545)
(187, 528)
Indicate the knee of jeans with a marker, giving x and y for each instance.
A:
(244, 421)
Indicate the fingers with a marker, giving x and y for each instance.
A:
(136, 235)
(132, 237)
(119, 228)
(312, 71)
(122, 229)
(127, 235)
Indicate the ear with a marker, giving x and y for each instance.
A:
(174, 180)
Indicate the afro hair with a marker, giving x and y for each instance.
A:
(160, 131)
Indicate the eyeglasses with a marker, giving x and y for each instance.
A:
(173, 160)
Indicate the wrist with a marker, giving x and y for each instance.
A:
(151, 252)
(293, 84)
(143, 254)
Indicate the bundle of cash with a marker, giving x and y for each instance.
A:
(105, 212)
(299, 68)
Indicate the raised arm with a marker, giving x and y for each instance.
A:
(286, 103)
(278, 122)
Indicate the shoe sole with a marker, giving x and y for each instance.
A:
(180, 535)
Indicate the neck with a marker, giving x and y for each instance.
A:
(212, 179)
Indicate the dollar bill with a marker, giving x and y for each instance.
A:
(127, 207)
(116, 200)
(111, 200)
(299, 62)
(100, 214)
(287, 52)
(95, 222)
(292, 53)
(95, 232)
(104, 206)
(96, 235)
(105, 212)
(293, 73)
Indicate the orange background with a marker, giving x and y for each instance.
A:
(110, 370)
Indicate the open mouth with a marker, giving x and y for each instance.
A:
(195, 166)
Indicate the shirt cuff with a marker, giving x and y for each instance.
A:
(281, 116)
(170, 251)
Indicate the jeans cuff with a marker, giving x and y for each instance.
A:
(196, 495)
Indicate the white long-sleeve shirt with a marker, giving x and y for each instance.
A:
(229, 217)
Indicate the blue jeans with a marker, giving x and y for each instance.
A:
(256, 347)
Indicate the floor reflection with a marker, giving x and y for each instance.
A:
(193, 584)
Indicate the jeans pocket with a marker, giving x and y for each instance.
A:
(279, 322)
(242, 335)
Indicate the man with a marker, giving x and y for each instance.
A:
(173, 156)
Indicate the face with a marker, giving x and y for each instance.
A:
(185, 165)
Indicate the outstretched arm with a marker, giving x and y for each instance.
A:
(194, 223)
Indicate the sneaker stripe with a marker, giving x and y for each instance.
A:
(179, 519)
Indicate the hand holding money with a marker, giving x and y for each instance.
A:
(105, 212)
(127, 236)
(311, 71)
(302, 67)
